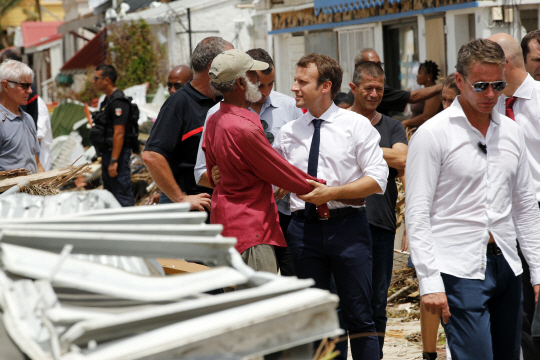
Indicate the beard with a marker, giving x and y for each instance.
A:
(252, 91)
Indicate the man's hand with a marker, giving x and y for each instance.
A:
(404, 241)
(318, 196)
(280, 193)
(437, 304)
(154, 199)
(536, 290)
(216, 175)
(113, 169)
(199, 201)
(400, 173)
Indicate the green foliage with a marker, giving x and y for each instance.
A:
(136, 54)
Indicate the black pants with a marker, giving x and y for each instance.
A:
(283, 255)
(529, 345)
(120, 186)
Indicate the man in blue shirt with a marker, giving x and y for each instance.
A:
(19, 146)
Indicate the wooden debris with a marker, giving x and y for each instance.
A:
(8, 174)
(404, 283)
(53, 186)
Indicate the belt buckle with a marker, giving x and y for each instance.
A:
(322, 217)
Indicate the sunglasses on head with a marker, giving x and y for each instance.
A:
(482, 86)
(177, 85)
(24, 86)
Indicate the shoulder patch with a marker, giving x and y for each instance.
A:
(118, 111)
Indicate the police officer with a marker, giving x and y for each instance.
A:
(116, 151)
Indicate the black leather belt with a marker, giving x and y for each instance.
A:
(493, 249)
(334, 213)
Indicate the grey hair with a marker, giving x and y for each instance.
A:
(206, 51)
(358, 58)
(228, 86)
(14, 70)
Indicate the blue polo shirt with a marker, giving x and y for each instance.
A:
(18, 141)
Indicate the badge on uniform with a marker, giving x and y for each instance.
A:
(118, 111)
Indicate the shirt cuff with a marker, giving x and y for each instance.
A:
(430, 285)
(535, 277)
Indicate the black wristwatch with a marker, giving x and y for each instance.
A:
(113, 160)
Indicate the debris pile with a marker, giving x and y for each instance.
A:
(404, 286)
(53, 186)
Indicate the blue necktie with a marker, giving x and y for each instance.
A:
(310, 210)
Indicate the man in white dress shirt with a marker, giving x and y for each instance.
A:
(521, 102)
(341, 147)
(469, 195)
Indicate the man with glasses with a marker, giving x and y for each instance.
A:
(19, 146)
(274, 110)
(469, 196)
(178, 77)
(395, 99)
(521, 102)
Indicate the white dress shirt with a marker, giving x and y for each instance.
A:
(277, 110)
(349, 150)
(44, 134)
(457, 195)
(527, 114)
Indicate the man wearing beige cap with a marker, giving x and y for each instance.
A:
(243, 201)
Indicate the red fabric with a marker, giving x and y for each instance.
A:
(243, 202)
(192, 132)
(32, 99)
(510, 107)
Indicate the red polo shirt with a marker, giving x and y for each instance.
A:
(243, 202)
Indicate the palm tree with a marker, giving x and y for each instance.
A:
(5, 6)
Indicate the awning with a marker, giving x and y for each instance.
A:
(92, 54)
(337, 6)
(35, 33)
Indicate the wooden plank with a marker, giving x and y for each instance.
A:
(176, 266)
(37, 178)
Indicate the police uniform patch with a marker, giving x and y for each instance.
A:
(118, 111)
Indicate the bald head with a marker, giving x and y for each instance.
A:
(366, 55)
(511, 48)
(181, 74)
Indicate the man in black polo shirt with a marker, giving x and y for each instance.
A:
(367, 87)
(395, 99)
(171, 149)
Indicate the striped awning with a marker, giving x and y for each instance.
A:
(337, 6)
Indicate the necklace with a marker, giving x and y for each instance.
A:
(376, 113)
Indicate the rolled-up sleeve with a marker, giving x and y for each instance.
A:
(369, 155)
(423, 169)
(526, 214)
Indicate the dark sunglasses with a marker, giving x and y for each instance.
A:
(24, 86)
(482, 86)
(177, 85)
(268, 134)
(97, 78)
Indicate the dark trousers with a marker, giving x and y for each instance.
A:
(486, 314)
(383, 260)
(120, 186)
(530, 345)
(341, 247)
(283, 254)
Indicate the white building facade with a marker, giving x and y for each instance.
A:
(404, 33)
